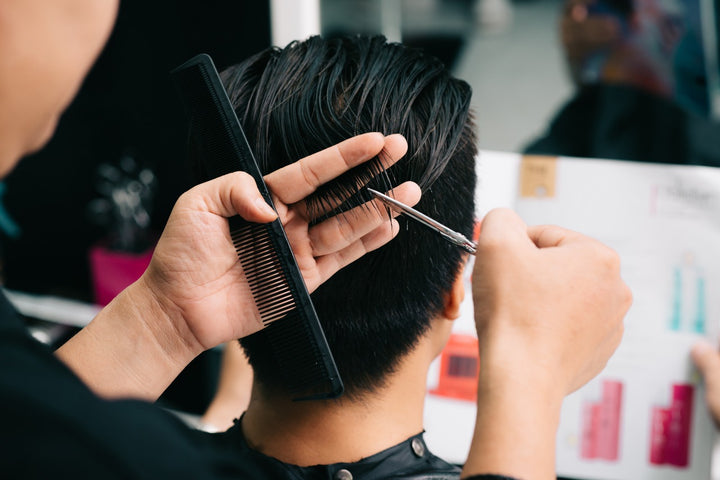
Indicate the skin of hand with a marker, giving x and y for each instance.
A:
(194, 294)
(549, 310)
(707, 359)
(195, 273)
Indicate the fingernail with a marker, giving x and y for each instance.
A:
(264, 207)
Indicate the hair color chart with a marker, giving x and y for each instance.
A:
(644, 416)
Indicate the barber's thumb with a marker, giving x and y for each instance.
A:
(264, 210)
(707, 359)
(502, 225)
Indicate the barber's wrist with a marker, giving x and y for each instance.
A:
(527, 375)
(515, 432)
(517, 419)
(165, 322)
(506, 373)
(524, 388)
(514, 358)
(518, 408)
(133, 348)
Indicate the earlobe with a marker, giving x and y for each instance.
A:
(454, 298)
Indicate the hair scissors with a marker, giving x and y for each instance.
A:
(451, 235)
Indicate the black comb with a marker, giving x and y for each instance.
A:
(292, 327)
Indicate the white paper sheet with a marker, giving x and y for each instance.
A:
(644, 416)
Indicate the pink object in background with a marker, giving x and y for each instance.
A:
(601, 424)
(659, 431)
(112, 271)
(670, 429)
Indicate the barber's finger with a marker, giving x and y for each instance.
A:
(232, 194)
(545, 236)
(395, 148)
(338, 232)
(501, 228)
(707, 359)
(298, 180)
(328, 265)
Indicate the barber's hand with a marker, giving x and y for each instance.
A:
(549, 308)
(195, 274)
(549, 302)
(194, 294)
(707, 359)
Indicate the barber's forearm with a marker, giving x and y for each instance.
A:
(131, 349)
(515, 428)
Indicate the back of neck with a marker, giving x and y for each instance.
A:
(342, 430)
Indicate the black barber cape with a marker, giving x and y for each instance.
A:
(408, 459)
(53, 426)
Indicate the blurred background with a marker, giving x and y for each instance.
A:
(624, 79)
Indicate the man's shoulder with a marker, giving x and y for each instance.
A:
(410, 459)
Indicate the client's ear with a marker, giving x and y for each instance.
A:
(454, 298)
(442, 324)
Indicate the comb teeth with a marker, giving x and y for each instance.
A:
(284, 313)
(277, 302)
(273, 296)
(292, 330)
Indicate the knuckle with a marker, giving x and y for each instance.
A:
(606, 260)
(240, 178)
(620, 332)
(627, 296)
(185, 196)
(346, 231)
(608, 256)
(309, 175)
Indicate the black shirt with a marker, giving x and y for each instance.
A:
(53, 426)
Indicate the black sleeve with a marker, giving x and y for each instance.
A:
(485, 476)
(53, 426)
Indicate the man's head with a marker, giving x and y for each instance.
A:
(46, 48)
(314, 94)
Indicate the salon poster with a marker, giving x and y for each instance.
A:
(644, 416)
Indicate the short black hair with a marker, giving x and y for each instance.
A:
(312, 94)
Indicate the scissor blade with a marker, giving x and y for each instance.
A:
(451, 235)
